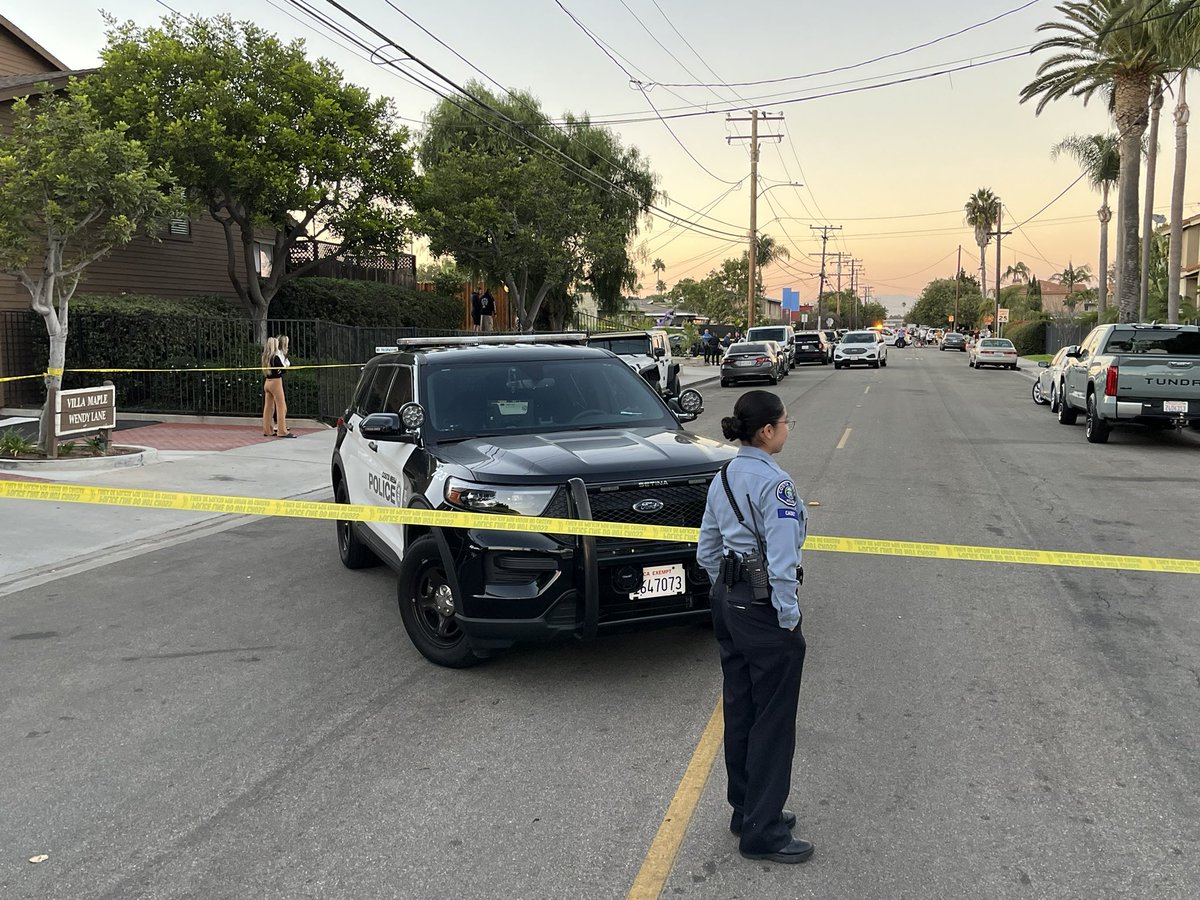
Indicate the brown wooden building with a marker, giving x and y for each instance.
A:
(188, 260)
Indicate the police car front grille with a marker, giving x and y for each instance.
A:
(682, 504)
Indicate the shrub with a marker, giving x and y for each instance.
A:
(204, 305)
(1028, 337)
(365, 303)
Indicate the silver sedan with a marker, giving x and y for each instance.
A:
(1047, 388)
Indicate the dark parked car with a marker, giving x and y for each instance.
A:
(743, 362)
(811, 347)
(954, 341)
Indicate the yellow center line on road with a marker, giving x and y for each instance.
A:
(660, 858)
(845, 437)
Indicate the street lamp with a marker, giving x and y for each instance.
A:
(752, 255)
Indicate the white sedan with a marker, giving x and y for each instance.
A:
(992, 352)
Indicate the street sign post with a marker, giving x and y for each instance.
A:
(85, 409)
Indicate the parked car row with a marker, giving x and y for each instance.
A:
(1140, 374)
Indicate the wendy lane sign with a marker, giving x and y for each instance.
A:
(85, 409)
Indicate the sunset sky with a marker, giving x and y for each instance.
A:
(892, 165)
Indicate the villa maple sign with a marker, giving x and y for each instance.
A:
(85, 409)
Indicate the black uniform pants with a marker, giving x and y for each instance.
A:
(762, 664)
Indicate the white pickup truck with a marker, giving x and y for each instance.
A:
(1140, 374)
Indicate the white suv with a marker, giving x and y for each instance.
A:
(868, 348)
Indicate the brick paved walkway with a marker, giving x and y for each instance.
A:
(189, 436)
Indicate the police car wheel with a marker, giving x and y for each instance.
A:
(353, 552)
(427, 607)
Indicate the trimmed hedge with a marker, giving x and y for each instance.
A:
(1028, 337)
(365, 303)
(204, 306)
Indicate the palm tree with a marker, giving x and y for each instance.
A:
(1069, 277)
(1183, 50)
(1099, 155)
(982, 212)
(659, 267)
(1156, 105)
(1102, 50)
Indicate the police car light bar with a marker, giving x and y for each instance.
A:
(472, 340)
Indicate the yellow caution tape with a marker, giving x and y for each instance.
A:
(257, 506)
(58, 373)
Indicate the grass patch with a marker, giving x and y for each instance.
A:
(1040, 357)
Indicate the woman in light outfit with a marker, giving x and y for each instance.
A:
(274, 361)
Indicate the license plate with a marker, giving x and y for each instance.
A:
(1175, 406)
(744, 362)
(661, 581)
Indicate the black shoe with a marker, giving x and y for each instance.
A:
(797, 851)
(789, 819)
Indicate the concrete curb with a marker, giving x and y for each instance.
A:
(144, 456)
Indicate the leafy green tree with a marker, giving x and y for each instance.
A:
(1099, 50)
(535, 206)
(982, 212)
(936, 304)
(280, 150)
(1099, 155)
(1069, 277)
(71, 190)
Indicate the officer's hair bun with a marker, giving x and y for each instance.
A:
(734, 429)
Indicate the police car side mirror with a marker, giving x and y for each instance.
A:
(659, 353)
(380, 425)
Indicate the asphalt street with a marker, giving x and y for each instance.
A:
(236, 716)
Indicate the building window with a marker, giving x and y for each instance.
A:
(262, 258)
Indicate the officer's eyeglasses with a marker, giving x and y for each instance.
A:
(790, 422)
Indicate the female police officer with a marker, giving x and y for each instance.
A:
(750, 538)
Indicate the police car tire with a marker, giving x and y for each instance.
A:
(352, 551)
(420, 572)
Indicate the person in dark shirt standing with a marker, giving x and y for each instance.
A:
(476, 310)
(487, 310)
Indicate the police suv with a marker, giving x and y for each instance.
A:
(522, 426)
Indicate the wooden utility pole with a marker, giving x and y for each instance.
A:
(957, 285)
(998, 234)
(824, 229)
(752, 252)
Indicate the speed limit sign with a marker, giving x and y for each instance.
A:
(1002, 316)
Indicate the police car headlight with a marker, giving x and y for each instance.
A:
(492, 498)
(690, 401)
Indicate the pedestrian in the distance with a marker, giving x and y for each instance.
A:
(476, 310)
(706, 343)
(274, 361)
(487, 310)
(750, 538)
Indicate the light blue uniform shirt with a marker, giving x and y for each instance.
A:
(770, 506)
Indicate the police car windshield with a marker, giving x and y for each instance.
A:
(625, 345)
(859, 337)
(535, 397)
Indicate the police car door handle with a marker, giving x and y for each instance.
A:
(374, 446)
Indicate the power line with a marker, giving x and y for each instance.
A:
(581, 171)
(605, 49)
(857, 65)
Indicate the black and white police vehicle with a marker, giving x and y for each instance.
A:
(522, 426)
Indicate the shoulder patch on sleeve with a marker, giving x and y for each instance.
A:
(787, 513)
(786, 492)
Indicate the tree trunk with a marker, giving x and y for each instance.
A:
(1175, 252)
(982, 269)
(54, 368)
(1156, 105)
(517, 299)
(1132, 111)
(1105, 216)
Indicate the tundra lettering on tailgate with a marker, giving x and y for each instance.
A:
(1173, 382)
